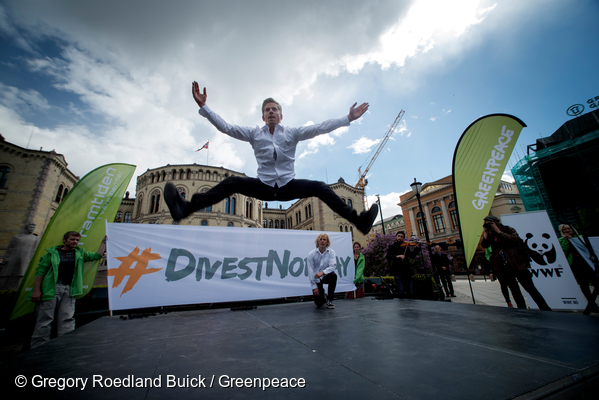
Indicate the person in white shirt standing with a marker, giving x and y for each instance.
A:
(322, 263)
(274, 148)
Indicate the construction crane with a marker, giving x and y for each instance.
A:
(362, 181)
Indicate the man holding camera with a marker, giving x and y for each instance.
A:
(510, 256)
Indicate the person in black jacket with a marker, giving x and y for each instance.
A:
(442, 265)
(398, 254)
(509, 256)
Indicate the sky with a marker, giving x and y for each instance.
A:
(110, 81)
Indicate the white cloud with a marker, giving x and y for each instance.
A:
(389, 203)
(363, 145)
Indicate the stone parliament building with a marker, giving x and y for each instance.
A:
(148, 206)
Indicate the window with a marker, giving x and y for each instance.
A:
(59, 194)
(282, 224)
(438, 219)
(154, 202)
(310, 210)
(349, 203)
(306, 211)
(139, 205)
(270, 223)
(230, 205)
(453, 214)
(119, 217)
(264, 223)
(127, 219)
(230, 224)
(512, 201)
(276, 224)
(439, 223)
(204, 222)
(4, 171)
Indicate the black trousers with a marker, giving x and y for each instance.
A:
(524, 277)
(331, 280)
(295, 189)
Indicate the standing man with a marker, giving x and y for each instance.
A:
(398, 254)
(442, 264)
(321, 269)
(509, 256)
(58, 279)
(274, 148)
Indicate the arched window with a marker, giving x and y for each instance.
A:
(230, 205)
(438, 220)
(282, 224)
(205, 209)
(59, 194)
(306, 211)
(289, 222)
(189, 174)
(345, 228)
(119, 216)
(276, 224)
(204, 222)
(264, 223)
(127, 219)
(207, 175)
(340, 228)
(154, 202)
(200, 174)
(309, 210)
(420, 221)
(453, 215)
(139, 205)
(4, 171)
(270, 223)
(64, 194)
(230, 224)
(349, 203)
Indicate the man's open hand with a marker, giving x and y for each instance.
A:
(199, 97)
(355, 113)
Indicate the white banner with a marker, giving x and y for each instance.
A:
(161, 265)
(579, 244)
(551, 273)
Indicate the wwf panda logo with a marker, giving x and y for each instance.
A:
(540, 248)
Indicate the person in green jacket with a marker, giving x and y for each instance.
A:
(58, 279)
(359, 262)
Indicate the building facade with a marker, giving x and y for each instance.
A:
(33, 183)
(392, 225)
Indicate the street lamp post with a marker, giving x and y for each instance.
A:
(416, 186)
(378, 200)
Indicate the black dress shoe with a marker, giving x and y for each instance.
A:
(176, 204)
(366, 219)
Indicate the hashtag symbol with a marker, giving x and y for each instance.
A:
(141, 268)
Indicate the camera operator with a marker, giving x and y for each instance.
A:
(511, 258)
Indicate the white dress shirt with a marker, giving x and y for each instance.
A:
(275, 153)
(317, 261)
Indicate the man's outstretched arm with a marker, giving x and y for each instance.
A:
(354, 113)
(199, 97)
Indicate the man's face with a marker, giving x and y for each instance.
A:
(71, 242)
(271, 114)
(400, 237)
(30, 228)
(322, 242)
(438, 249)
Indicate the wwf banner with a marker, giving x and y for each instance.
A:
(479, 160)
(93, 200)
(551, 273)
(162, 265)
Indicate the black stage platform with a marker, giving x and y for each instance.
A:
(364, 349)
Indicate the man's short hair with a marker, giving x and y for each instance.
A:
(271, 100)
(71, 233)
(402, 232)
(321, 236)
(492, 218)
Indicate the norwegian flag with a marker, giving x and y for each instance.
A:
(203, 147)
